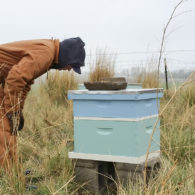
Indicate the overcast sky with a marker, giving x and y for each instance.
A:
(122, 26)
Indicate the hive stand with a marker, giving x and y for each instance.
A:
(101, 176)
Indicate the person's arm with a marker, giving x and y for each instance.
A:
(32, 65)
(25, 92)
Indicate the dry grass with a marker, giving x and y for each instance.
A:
(178, 124)
(177, 172)
(148, 76)
(48, 136)
(102, 67)
(57, 85)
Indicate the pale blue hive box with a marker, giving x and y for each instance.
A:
(115, 123)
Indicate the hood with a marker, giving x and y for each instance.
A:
(71, 52)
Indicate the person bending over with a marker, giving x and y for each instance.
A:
(20, 64)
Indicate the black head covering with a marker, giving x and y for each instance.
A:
(71, 52)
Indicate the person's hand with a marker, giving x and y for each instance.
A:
(21, 123)
(16, 122)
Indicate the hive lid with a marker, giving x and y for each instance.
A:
(127, 94)
(125, 91)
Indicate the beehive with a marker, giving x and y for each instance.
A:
(115, 126)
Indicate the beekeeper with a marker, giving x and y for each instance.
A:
(20, 63)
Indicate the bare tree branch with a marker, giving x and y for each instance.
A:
(159, 62)
(163, 36)
(187, 11)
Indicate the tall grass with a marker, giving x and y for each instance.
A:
(178, 124)
(177, 172)
(148, 76)
(57, 85)
(48, 136)
(102, 66)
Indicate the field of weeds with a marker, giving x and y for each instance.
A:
(47, 137)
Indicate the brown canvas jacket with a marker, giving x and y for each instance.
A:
(20, 63)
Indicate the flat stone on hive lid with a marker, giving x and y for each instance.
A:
(115, 83)
(115, 79)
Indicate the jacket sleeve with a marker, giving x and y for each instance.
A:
(21, 76)
(24, 94)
